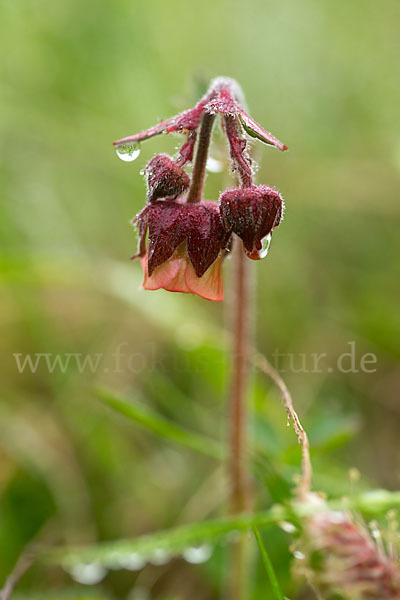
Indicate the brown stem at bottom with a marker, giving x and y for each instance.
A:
(199, 169)
(239, 380)
(239, 497)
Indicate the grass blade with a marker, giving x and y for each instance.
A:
(174, 541)
(268, 567)
(160, 426)
(171, 542)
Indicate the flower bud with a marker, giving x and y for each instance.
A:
(165, 179)
(251, 213)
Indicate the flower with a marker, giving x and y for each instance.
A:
(187, 243)
(188, 236)
(339, 556)
(251, 213)
(165, 178)
(177, 274)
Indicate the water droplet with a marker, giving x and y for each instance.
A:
(299, 555)
(159, 557)
(234, 535)
(258, 254)
(133, 562)
(266, 243)
(114, 560)
(123, 560)
(128, 152)
(375, 531)
(197, 554)
(288, 527)
(213, 165)
(87, 573)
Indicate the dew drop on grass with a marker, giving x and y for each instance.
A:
(287, 526)
(197, 554)
(114, 560)
(159, 557)
(87, 573)
(133, 562)
(122, 560)
(128, 152)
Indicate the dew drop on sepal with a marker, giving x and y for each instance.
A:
(128, 152)
(258, 254)
(266, 243)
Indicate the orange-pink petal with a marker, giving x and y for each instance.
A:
(210, 286)
(178, 275)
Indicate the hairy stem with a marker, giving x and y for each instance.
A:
(239, 497)
(199, 169)
(304, 486)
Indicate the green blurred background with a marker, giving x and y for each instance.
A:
(78, 74)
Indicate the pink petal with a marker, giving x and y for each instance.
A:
(169, 276)
(178, 275)
(210, 285)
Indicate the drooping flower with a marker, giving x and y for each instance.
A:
(339, 556)
(188, 236)
(252, 213)
(187, 243)
(165, 178)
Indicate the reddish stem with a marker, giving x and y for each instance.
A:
(239, 497)
(199, 169)
(239, 380)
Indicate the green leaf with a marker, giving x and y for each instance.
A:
(160, 426)
(268, 566)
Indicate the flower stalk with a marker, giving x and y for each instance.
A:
(238, 386)
(199, 170)
(188, 238)
(238, 469)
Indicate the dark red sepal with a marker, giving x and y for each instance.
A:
(251, 213)
(169, 224)
(165, 178)
(206, 236)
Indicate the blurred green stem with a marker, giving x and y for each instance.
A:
(239, 498)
